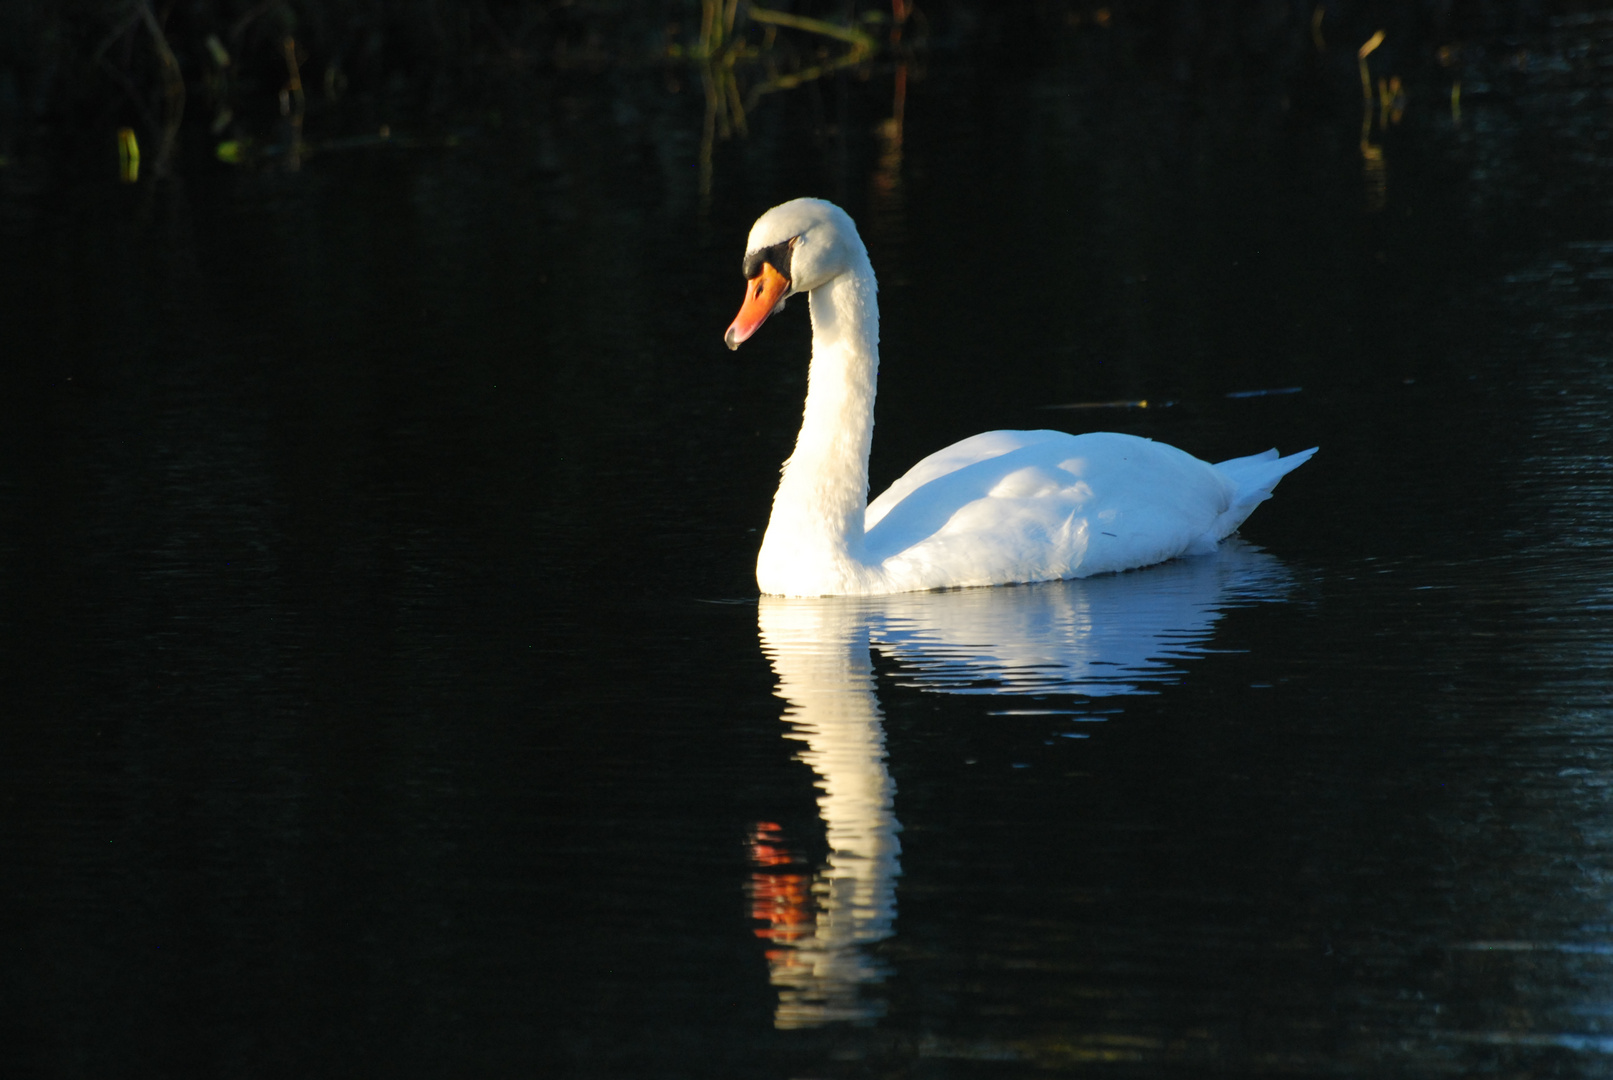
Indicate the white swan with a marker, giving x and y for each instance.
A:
(1002, 507)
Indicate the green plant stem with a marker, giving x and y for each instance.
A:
(861, 41)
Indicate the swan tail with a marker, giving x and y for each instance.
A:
(1253, 479)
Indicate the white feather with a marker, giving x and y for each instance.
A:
(996, 508)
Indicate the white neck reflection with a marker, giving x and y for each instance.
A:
(819, 651)
(1089, 639)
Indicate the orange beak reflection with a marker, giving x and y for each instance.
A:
(764, 294)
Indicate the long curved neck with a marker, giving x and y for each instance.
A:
(814, 539)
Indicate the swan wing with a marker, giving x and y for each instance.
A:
(1031, 506)
(982, 447)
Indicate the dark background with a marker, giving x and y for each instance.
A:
(380, 672)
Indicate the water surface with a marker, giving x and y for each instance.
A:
(386, 689)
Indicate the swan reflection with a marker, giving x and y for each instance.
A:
(1088, 639)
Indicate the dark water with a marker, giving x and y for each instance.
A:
(386, 692)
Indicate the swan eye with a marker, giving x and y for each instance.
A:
(778, 256)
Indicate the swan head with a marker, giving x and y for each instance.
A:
(794, 248)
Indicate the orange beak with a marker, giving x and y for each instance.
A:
(764, 294)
